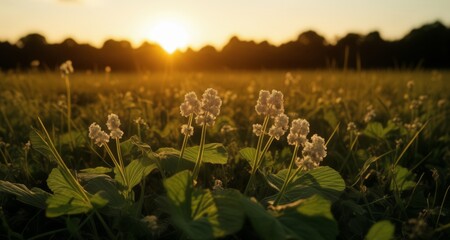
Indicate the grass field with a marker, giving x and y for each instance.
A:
(386, 173)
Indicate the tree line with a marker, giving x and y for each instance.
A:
(424, 47)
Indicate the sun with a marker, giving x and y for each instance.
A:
(170, 35)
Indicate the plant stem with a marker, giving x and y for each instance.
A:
(69, 111)
(116, 164)
(200, 153)
(256, 157)
(185, 140)
(288, 177)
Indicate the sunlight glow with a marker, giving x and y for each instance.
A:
(170, 35)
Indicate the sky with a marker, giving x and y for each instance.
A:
(201, 22)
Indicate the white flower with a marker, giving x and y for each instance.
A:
(275, 103)
(113, 125)
(191, 105)
(298, 132)
(27, 146)
(306, 163)
(66, 68)
(96, 134)
(218, 185)
(370, 114)
(315, 149)
(187, 130)
(257, 129)
(279, 127)
(261, 105)
(351, 127)
(209, 109)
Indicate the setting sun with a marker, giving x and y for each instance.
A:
(170, 35)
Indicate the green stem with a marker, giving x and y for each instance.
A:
(116, 164)
(256, 156)
(122, 165)
(185, 140)
(69, 111)
(200, 153)
(288, 177)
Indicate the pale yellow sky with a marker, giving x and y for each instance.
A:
(213, 21)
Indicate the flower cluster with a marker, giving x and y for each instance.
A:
(270, 103)
(370, 114)
(98, 135)
(66, 68)
(101, 137)
(313, 153)
(279, 127)
(209, 108)
(298, 132)
(191, 105)
(187, 130)
(113, 125)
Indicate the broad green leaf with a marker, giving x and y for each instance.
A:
(137, 170)
(265, 224)
(170, 163)
(377, 131)
(199, 213)
(78, 138)
(249, 155)
(330, 116)
(65, 199)
(311, 219)
(144, 147)
(35, 197)
(382, 230)
(106, 188)
(213, 153)
(97, 170)
(323, 181)
(403, 179)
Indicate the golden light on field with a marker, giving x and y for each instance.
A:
(170, 35)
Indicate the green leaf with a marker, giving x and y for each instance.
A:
(35, 197)
(403, 179)
(137, 170)
(311, 219)
(78, 138)
(382, 230)
(213, 153)
(377, 131)
(170, 163)
(66, 200)
(249, 155)
(199, 213)
(105, 187)
(97, 170)
(40, 145)
(323, 181)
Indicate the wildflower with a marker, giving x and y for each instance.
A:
(113, 125)
(410, 84)
(441, 103)
(351, 127)
(218, 185)
(140, 121)
(151, 221)
(316, 149)
(306, 163)
(226, 129)
(96, 134)
(209, 109)
(66, 68)
(270, 103)
(370, 114)
(279, 127)
(415, 104)
(299, 130)
(261, 105)
(187, 130)
(397, 120)
(257, 129)
(191, 105)
(27, 146)
(398, 143)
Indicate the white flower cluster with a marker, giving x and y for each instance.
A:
(270, 103)
(98, 135)
(313, 153)
(298, 132)
(101, 137)
(66, 68)
(187, 130)
(257, 129)
(371, 114)
(351, 127)
(191, 105)
(209, 108)
(113, 125)
(280, 126)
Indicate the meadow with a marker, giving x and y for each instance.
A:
(382, 169)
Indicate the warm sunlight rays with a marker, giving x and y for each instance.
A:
(171, 35)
